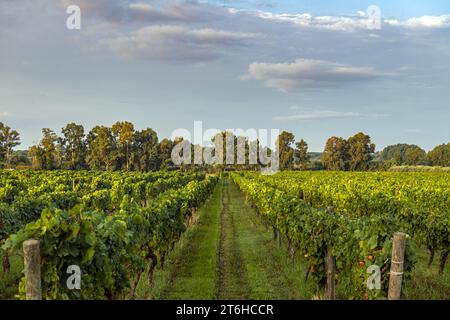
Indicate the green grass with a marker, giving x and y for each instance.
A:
(426, 283)
(190, 271)
(231, 281)
(270, 272)
(9, 281)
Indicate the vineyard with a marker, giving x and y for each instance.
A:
(354, 215)
(113, 225)
(174, 235)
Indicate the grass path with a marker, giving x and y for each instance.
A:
(229, 254)
(231, 281)
(191, 267)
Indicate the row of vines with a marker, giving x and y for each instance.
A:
(355, 216)
(115, 226)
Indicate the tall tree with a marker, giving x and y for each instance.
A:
(285, 144)
(74, 145)
(45, 154)
(335, 155)
(165, 154)
(301, 153)
(403, 153)
(9, 139)
(360, 151)
(124, 132)
(101, 149)
(415, 156)
(440, 155)
(144, 155)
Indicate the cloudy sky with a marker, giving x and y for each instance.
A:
(316, 68)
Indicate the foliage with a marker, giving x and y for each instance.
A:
(110, 224)
(368, 209)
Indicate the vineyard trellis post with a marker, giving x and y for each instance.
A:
(397, 262)
(32, 264)
(330, 293)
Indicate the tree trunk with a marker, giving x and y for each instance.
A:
(291, 250)
(135, 284)
(307, 272)
(430, 260)
(6, 264)
(331, 274)
(163, 260)
(151, 267)
(443, 261)
(279, 238)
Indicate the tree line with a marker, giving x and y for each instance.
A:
(122, 147)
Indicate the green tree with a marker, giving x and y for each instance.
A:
(124, 132)
(45, 154)
(335, 154)
(74, 146)
(9, 139)
(301, 153)
(415, 156)
(144, 154)
(165, 154)
(440, 155)
(360, 152)
(403, 153)
(285, 144)
(102, 150)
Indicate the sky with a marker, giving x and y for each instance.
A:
(315, 68)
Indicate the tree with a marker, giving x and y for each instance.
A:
(285, 142)
(74, 146)
(45, 154)
(415, 156)
(360, 151)
(165, 154)
(101, 149)
(124, 132)
(301, 153)
(335, 154)
(9, 139)
(440, 155)
(403, 153)
(144, 155)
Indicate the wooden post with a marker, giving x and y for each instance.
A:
(397, 261)
(32, 262)
(330, 292)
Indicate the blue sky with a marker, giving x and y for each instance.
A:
(314, 68)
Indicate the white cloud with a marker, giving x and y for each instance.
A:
(307, 73)
(327, 114)
(177, 42)
(352, 23)
(320, 22)
(442, 21)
